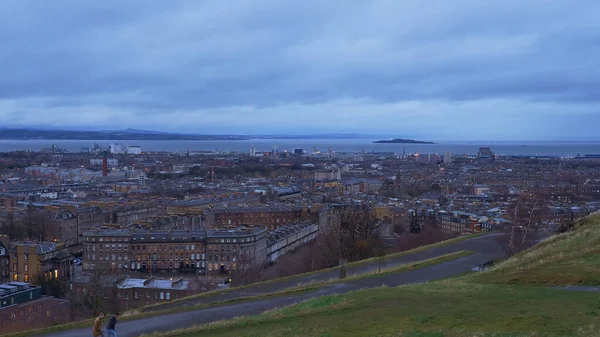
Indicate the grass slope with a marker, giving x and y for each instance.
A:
(445, 308)
(572, 258)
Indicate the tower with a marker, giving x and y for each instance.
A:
(448, 158)
(211, 174)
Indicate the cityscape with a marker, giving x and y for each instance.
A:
(144, 228)
(299, 168)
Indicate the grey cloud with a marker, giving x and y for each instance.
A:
(200, 59)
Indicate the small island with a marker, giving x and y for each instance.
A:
(401, 141)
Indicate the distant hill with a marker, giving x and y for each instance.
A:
(401, 141)
(129, 134)
(134, 134)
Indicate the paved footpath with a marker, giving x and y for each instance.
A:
(485, 247)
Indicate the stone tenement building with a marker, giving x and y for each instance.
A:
(106, 249)
(270, 216)
(22, 306)
(134, 292)
(198, 206)
(234, 249)
(126, 215)
(152, 251)
(35, 262)
(163, 250)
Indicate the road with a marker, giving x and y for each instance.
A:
(485, 247)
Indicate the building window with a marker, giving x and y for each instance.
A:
(26, 277)
(168, 295)
(162, 295)
(26, 267)
(26, 256)
(55, 273)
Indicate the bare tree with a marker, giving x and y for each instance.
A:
(12, 228)
(247, 271)
(37, 225)
(302, 260)
(97, 294)
(526, 215)
(428, 235)
(354, 235)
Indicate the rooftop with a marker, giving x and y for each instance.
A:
(152, 283)
(108, 232)
(40, 247)
(266, 209)
(168, 236)
(236, 232)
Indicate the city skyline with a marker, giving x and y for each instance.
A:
(460, 70)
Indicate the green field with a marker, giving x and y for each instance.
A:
(445, 308)
(512, 299)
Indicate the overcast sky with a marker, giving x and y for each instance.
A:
(454, 69)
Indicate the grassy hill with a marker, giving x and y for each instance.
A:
(512, 299)
(572, 258)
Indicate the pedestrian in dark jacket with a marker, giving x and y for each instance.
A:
(110, 327)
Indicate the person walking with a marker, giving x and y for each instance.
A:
(110, 327)
(97, 330)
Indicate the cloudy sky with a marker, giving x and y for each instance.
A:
(453, 69)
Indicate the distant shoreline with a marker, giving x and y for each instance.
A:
(401, 141)
(133, 135)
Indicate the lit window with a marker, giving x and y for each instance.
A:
(55, 273)
(26, 277)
